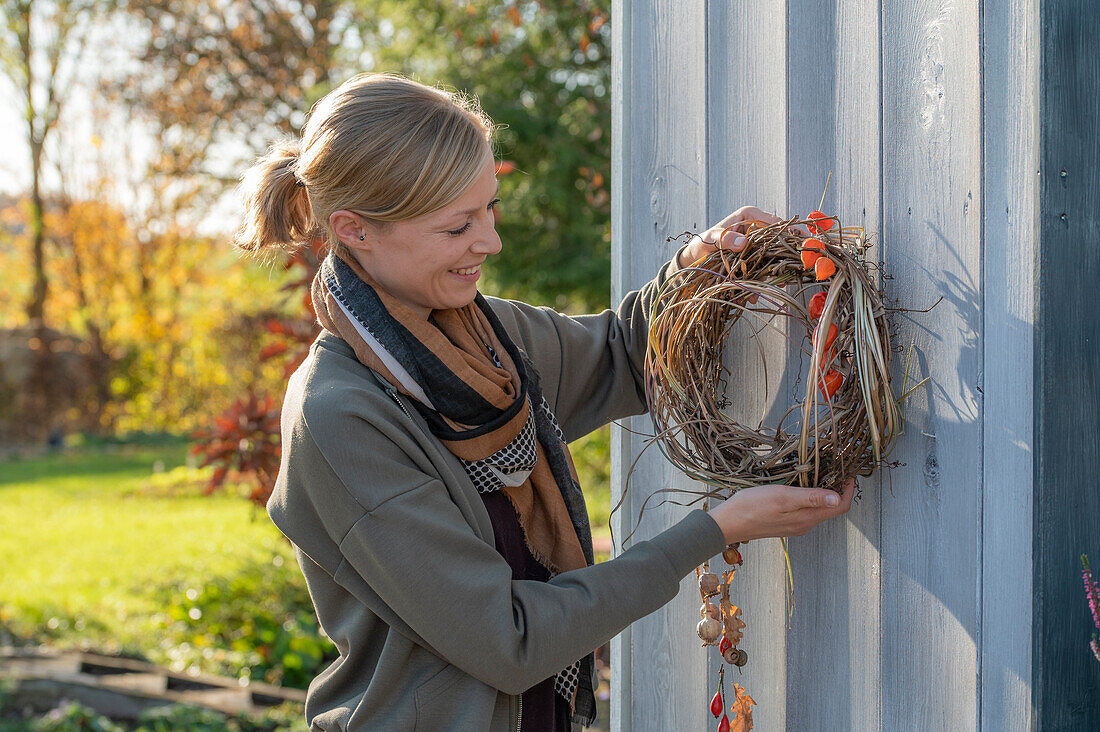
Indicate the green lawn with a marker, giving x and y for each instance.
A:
(93, 544)
(88, 543)
(591, 456)
(115, 549)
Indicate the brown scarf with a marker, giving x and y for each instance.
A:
(480, 396)
(464, 343)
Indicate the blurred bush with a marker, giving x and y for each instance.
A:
(258, 624)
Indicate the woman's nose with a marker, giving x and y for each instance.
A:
(488, 242)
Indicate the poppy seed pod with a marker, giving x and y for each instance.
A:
(708, 629)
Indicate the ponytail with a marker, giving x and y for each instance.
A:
(277, 211)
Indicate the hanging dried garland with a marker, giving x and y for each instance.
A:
(812, 273)
(724, 620)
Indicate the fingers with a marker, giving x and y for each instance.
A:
(732, 240)
(746, 213)
(749, 213)
(738, 220)
(847, 493)
(728, 234)
(820, 498)
(828, 499)
(721, 237)
(779, 510)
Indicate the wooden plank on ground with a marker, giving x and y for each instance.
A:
(932, 246)
(124, 688)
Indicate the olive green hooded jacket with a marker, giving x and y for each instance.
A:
(398, 550)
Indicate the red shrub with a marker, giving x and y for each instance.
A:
(243, 443)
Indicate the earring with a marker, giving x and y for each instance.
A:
(361, 237)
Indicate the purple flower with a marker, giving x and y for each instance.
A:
(1094, 602)
(1091, 593)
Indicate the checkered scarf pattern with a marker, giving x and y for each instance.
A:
(480, 395)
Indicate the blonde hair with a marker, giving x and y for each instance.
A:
(381, 145)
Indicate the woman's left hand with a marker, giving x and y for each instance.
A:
(734, 240)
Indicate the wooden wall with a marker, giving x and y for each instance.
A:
(1067, 361)
(915, 611)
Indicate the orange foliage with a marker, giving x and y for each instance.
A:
(742, 708)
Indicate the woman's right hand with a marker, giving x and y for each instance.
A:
(779, 510)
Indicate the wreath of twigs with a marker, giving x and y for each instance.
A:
(821, 441)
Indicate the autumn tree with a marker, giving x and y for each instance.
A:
(41, 48)
(542, 70)
(41, 43)
(221, 79)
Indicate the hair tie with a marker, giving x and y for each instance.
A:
(293, 168)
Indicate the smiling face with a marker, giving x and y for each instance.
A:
(433, 262)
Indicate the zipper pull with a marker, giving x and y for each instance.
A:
(393, 395)
(389, 389)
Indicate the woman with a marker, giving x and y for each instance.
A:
(426, 483)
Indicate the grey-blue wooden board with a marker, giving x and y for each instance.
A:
(1067, 367)
(658, 165)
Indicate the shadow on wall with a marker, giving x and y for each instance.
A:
(865, 584)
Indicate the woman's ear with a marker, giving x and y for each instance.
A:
(351, 229)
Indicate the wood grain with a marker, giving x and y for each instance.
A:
(659, 157)
(1067, 377)
(1010, 214)
(932, 246)
(747, 160)
(916, 610)
(834, 644)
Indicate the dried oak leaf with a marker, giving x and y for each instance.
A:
(732, 623)
(742, 708)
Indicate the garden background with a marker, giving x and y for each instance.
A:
(143, 361)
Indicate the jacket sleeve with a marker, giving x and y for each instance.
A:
(592, 366)
(421, 558)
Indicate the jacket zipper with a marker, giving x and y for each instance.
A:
(393, 395)
(519, 714)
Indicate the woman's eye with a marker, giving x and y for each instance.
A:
(466, 227)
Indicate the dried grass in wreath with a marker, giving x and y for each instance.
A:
(821, 441)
